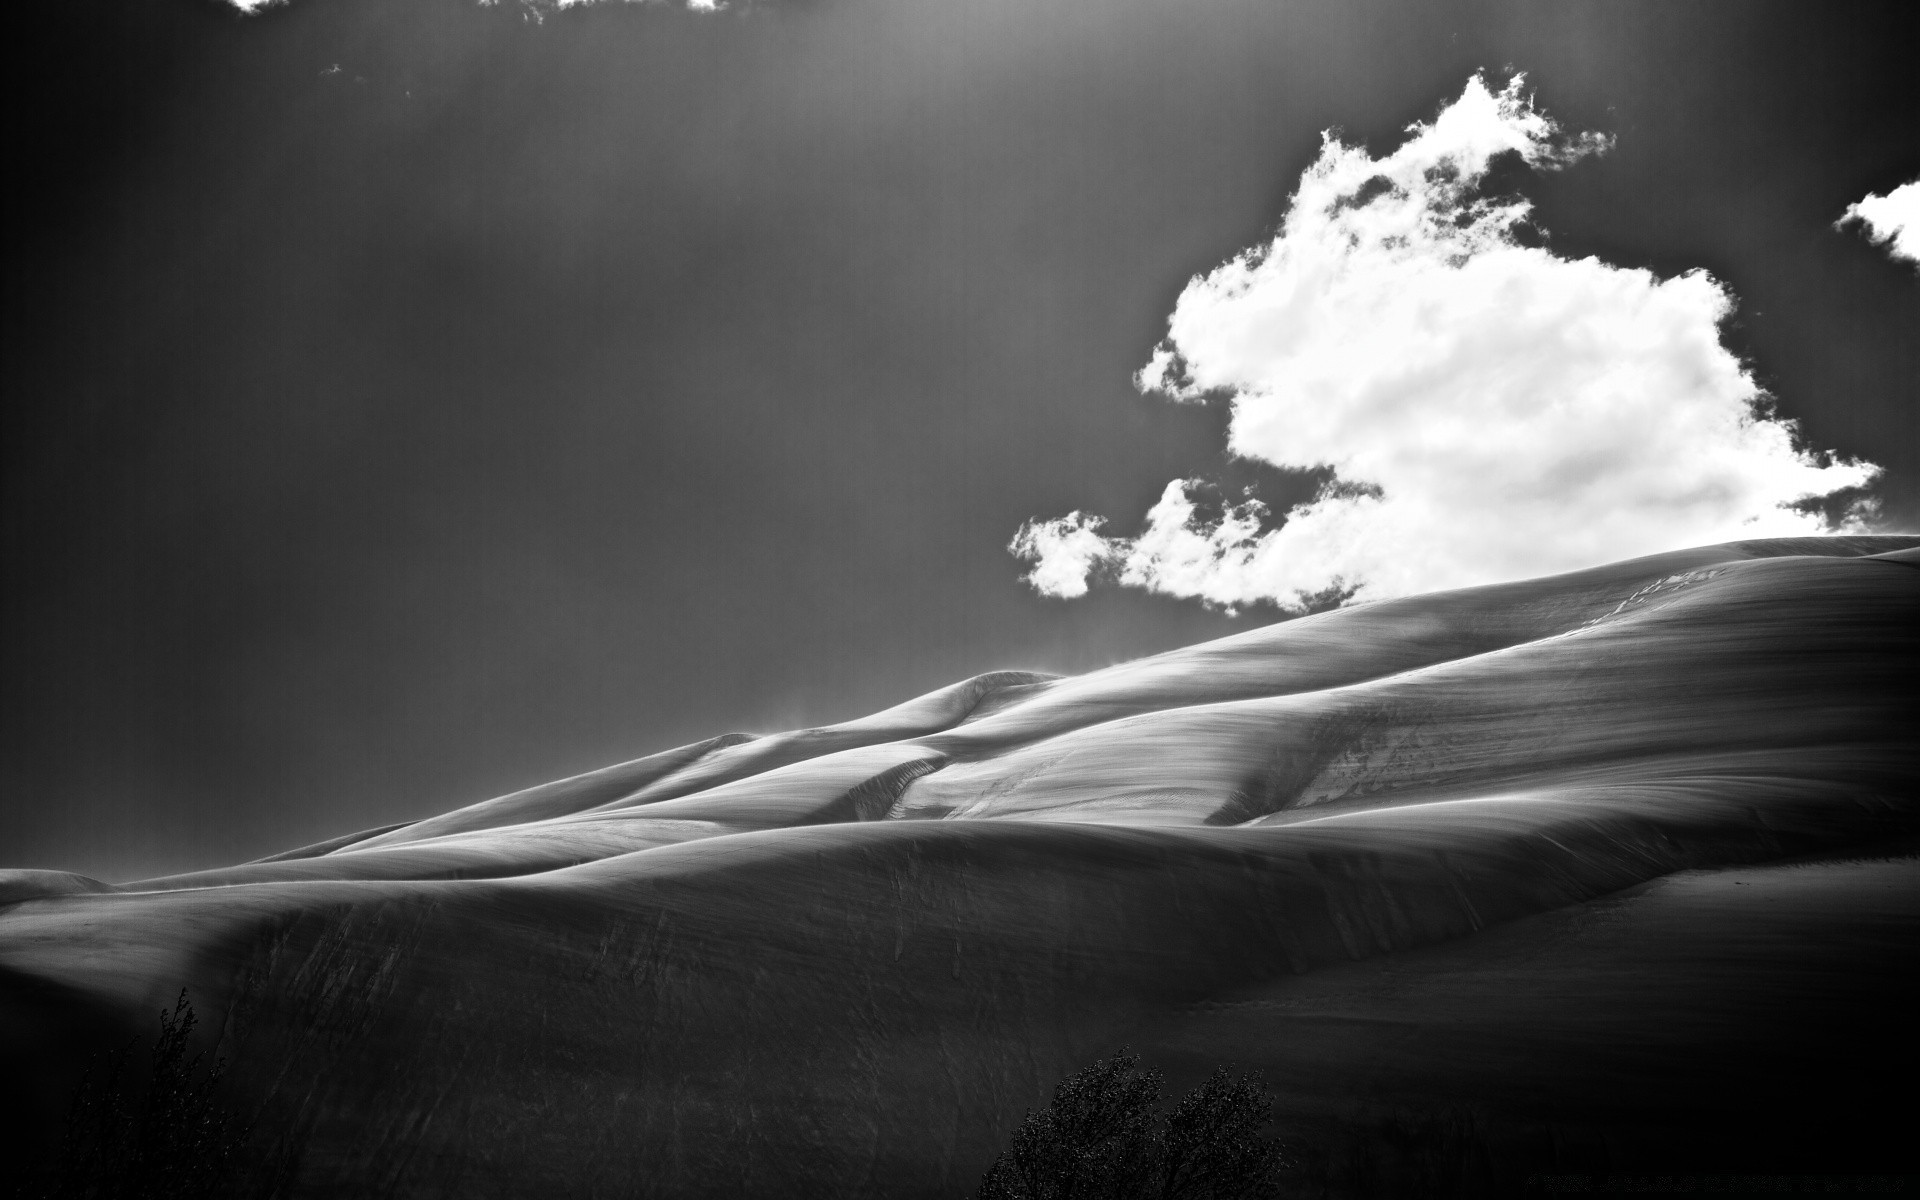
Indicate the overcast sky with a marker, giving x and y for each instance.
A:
(409, 400)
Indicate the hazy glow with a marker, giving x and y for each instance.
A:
(1491, 410)
(532, 6)
(1892, 220)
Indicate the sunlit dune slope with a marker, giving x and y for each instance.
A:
(842, 961)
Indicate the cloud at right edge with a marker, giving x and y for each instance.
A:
(1891, 221)
(1488, 409)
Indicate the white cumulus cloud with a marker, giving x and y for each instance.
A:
(1064, 552)
(1892, 220)
(1489, 409)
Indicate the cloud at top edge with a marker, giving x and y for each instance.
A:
(1891, 221)
(1490, 410)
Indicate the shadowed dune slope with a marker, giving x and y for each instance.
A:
(844, 961)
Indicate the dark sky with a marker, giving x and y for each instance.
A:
(523, 396)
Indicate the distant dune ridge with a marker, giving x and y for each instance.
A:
(1612, 870)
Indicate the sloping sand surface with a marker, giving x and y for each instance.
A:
(843, 961)
(1752, 1020)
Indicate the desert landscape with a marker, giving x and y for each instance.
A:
(1602, 873)
(1188, 599)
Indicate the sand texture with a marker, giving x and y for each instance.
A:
(1609, 871)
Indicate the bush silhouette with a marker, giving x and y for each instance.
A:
(1102, 1139)
(167, 1140)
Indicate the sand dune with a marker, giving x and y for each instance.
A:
(843, 961)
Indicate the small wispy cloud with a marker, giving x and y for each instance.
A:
(1486, 409)
(1892, 220)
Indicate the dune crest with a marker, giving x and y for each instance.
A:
(884, 938)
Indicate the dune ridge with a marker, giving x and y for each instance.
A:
(841, 961)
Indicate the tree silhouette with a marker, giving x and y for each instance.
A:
(1212, 1148)
(168, 1140)
(1102, 1139)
